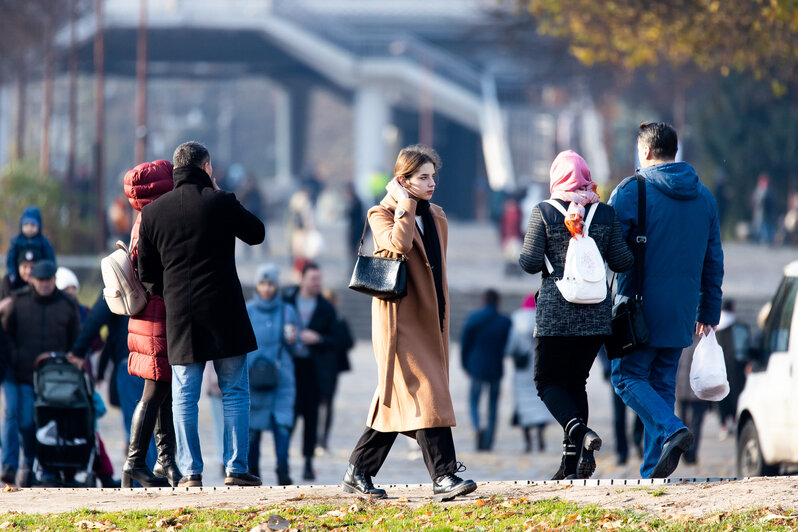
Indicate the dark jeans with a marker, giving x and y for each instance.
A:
(282, 438)
(562, 366)
(437, 447)
(307, 403)
(692, 413)
(477, 386)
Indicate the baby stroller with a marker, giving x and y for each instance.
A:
(64, 420)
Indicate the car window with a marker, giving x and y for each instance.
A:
(777, 333)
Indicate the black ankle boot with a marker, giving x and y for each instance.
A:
(586, 442)
(447, 487)
(141, 429)
(166, 466)
(567, 470)
(283, 479)
(358, 482)
(309, 474)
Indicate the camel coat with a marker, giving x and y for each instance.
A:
(411, 350)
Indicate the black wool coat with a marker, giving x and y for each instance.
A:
(187, 247)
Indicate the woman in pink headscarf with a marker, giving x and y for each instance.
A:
(567, 335)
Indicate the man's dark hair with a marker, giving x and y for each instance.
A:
(660, 138)
(309, 266)
(190, 153)
(491, 297)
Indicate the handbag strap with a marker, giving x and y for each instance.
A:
(363, 239)
(640, 239)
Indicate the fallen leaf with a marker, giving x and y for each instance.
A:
(277, 522)
(354, 509)
(775, 517)
(480, 502)
(334, 513)
(91, 525)
(8, 524)
(297, 498)
(165, 522)
(378, 521)
(402, 499)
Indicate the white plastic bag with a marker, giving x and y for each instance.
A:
(708, 371)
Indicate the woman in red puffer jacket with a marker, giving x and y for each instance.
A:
(147, 343)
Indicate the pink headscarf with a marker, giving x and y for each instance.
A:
(569, 180)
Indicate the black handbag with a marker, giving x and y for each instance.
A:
(629, 329)
(380, 277)
(264, 373)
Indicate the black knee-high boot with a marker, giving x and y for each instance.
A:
(166, 466)
(141, 428)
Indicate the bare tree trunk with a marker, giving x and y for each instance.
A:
(141, 85)
(73, 102)
(47, 111)
(99, 125)
(22, 79)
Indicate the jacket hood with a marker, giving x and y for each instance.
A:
(31, 214)
(147, 182)
(676, 180)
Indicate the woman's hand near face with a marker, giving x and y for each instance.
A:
(396, 190)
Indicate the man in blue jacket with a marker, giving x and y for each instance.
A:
(682, 276)
(484, 340)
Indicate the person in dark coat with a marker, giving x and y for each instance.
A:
(355, 220)
(733, 338)
(317, 337)
(186, 254)
(484, 341)
(682, 278)
(26, 259)
(41, 320)
(568, 335)
(30, 237)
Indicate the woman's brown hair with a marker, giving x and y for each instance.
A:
(413, 157)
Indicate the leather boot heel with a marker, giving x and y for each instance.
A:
(127, 482)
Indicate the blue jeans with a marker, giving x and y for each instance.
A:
(27, 429)
(186, 387)
(646, 381)
(10, 430)
(282, 439)
(130, 389)
(477, 386)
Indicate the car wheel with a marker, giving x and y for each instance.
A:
(750, 462)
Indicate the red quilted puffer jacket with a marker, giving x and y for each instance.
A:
(146, 337)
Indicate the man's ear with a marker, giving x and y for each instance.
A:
(646, 152)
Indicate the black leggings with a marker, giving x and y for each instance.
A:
(562, 365)
(156, 391)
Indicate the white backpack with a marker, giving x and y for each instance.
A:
(584, 280)
(123, 291)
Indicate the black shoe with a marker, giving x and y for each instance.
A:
(9, 476)
(671, 452)
(447, 487)
(283, 479)
(308, 474)
(586, 465)
(107, 481)
(357, 482)
(190, 481)
(567, 468)
(241, 479)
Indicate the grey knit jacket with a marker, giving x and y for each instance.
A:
(547, 234)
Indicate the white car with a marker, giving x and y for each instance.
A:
(767, 411)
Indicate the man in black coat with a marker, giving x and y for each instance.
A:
(319, 341)
(187, 254)
(41, 320)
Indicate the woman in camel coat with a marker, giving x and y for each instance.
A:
(411, 335)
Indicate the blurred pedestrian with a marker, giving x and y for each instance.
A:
(26, 259)
(567, 335)
(41, 320)
(316, 340)
(30, 237)
(529, 412)
(147, 341)
(186, 255)
(763, 207)
(510, 234)
(692, 410)
(304, 239)
(483, 343)
(734, 338)
(788, 233)
(678, 301)
(355, 220)
(272, 382)
(411, 336)
(329, 369)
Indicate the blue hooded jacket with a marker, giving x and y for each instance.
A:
(683, 258)
(38, 243)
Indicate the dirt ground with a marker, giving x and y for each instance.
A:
(673, 498)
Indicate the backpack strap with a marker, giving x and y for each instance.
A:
(640, 238)
(556, 205)
(589, 218)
